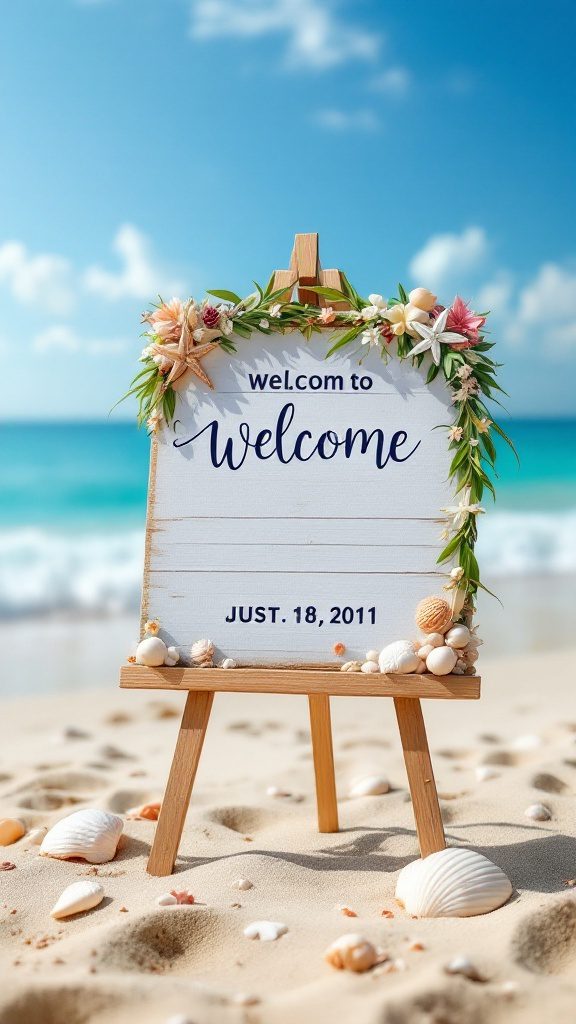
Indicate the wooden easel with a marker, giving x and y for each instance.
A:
(318, 683)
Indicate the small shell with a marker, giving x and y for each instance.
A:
(78, 897)
(441, 661)
(151, 652)
(424, 651)
(90, 835)
(433, 615)
(146, 812)
(266, 931)
(11, 830)
(243, 884)
(420, 667)
(277, 791)
(531, 741)
(35, 836)
(434, 639)
(538, 812)
(372, 655)
(462, 965)
(457, 636)
(351, 666)
(351, 953)
(455, 882)
(201, 653)
(172, 656)
(484, 772)
(470, 655)
(166, 900)
(228, 663)
(370, 666)
(398, 656)
(372, 785)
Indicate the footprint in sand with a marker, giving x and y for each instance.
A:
(53, 790)
(545, 942)
(172, 941)
(244, 820)
(121, 800)
(548, 783)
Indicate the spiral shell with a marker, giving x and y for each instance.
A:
(201, 653)
(78, 897)
(351, 953)
(90, 835)
(454, 882)
(433, 615)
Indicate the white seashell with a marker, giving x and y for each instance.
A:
(538, 812)
(351, 666)
(372, 785)
(484, 772)
(243, 884)
(370, 666)
(35, 836)
(372, 655)
(277, 791)
(441, 661)
(78, 897)
(151, 652)
(398, 656)
(201, 653)
(421, 667)
(266, 931)
(166, 900)
(434, 639)
(351, 952)
(424, 651)
(452, 883)
(91, 835)
(457, 636)
(172, 656)
(228, 663)
(463, 965)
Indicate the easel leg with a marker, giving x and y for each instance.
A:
(420, 775)
(180, 781)
(321, 729)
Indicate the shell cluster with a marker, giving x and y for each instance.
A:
(455, 882)
(92, 835)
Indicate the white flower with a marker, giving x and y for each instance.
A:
(434, 336)
(455, 433)
(276, 310)
(469, 388)
(198, 334)
(473, 442)
(462, 510)
(264, 322)
(464, 372)
(226, 325)
(377, 300)
(369, 312)
(371, 337)
(484, 425)
(456, 575)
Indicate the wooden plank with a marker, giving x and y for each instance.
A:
(332, 279)
(300, 681)
(180, 782)
(420, 776)
(353, 531)
(306, 257)
(321, 729)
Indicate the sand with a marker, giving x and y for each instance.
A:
(129, 960)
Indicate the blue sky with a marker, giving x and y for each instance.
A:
(166, 145)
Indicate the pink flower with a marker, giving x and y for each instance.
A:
(462, 320)
(327, 315)
(166, 320)
(211, 316)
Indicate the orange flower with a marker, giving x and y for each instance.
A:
(339, 648)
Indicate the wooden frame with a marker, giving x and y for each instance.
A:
(318, 685)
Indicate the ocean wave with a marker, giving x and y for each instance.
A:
(101, 573)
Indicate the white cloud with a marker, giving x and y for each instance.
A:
(545, 315)
(44, 280)
(495, 296)
(139, 276)
(315, 36)
(448, 257)
(392, 82)
(61, 338)
(355, 121)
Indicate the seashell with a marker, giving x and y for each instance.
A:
(420, 667)
(470, 655)
(398, 656)
(424, 651)
(172, 656)
(147, 812)
(538, 812)
(372, 655)
(151, 652)
(266, 931)
(35, 836)
(351, 666)
(351, 953)
(459, 668)
(91, 835)
(243, 884)
(277, 791)
(463, 965)
(455, 882)
(78, 897)
(370, 666)
(441, 661)
(228, 663)
(484, 772)
(11, 830)
(434, 639)
(433, 615)
(372, 785)
(201, 653)
(457, 636)
(167, 899)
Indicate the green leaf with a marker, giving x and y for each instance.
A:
(450, 548)
(403, 294)
(330, 293)
(241, 329)
(226, 295)
(344, 340)
(507, 439)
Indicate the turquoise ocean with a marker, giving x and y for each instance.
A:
(73, 500)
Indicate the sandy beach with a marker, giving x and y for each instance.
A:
(129, 958)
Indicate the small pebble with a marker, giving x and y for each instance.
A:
(243, 884)
(7, 865)
(245, 999)
(484, 772)
(462, 965)
(277, 791)
(538, 812)
(529, 742)
(372, 785)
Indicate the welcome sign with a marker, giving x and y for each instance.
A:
(296, 505)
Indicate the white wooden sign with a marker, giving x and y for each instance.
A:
(298, 504)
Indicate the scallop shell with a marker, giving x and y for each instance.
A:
(372, 785)
(11, 830)
(90, 835)
(370, 666)
(441, 661)
(78, 897)
(151, 652)
(201, 653)
(351, 953)
(452, 883)
(398, 656)
(433, 615)
(457, 636)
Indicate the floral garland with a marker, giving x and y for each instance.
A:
(179, 335)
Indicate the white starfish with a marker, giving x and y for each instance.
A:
(434, 336)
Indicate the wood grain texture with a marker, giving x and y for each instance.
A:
(420, 775)
(181, 779)
(300, 681)
(321, 731)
